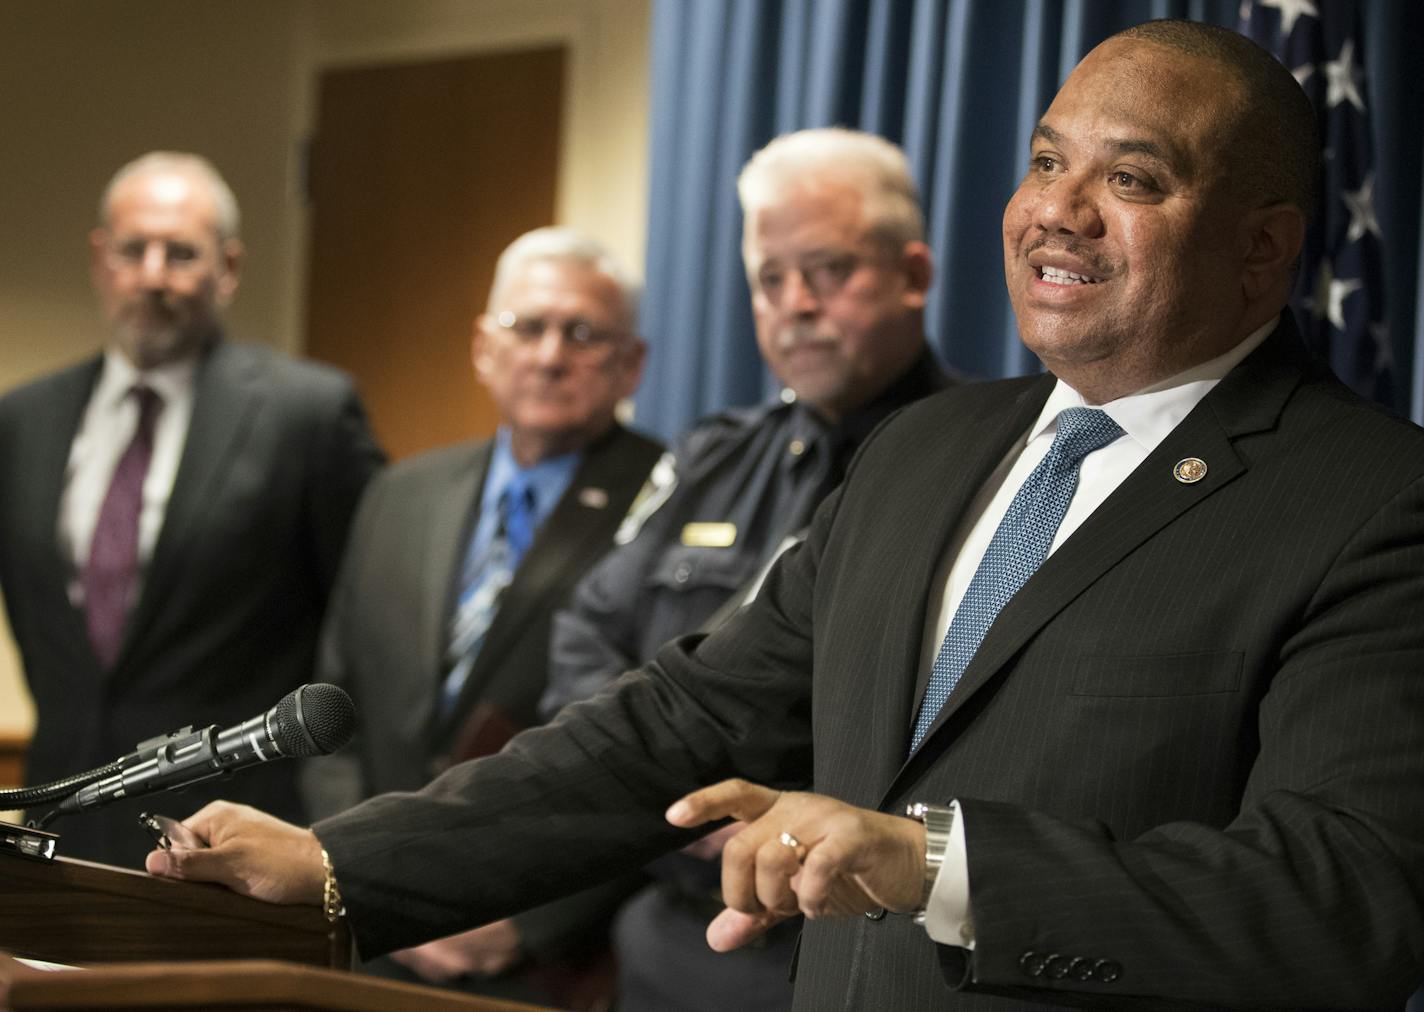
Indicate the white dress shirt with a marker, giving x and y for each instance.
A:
(105, 432)
(1146, 417)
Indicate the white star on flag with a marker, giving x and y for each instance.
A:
(1361, 203)
(1340, 77)
(1331, 293)
(1341, 289)
(1290, 10)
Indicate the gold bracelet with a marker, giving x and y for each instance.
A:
(331, 903)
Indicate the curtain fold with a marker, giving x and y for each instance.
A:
(959, 84)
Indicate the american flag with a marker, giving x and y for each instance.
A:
(1339, 297)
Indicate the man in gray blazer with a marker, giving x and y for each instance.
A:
(557, 349)
(172, 512)
(1140, 641)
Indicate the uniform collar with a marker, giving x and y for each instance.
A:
(924, 377)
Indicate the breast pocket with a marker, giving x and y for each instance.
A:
(1155, 675)
(685, 569)
(688, 584)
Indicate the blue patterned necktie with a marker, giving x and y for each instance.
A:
(484, 577)
(1018, 548)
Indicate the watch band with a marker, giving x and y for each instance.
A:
(938, 821)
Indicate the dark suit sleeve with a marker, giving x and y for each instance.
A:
(1317, 876)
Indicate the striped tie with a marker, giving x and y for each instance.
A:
(485, 576)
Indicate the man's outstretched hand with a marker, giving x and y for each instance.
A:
(803, 853)
(248, 851)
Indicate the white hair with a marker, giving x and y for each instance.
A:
(565, 245)
(870, 164)
(194, 167)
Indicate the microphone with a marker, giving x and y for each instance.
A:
(309, 720)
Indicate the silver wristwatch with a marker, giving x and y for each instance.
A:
(938, 821)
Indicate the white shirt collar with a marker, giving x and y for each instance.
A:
(171, 381)
(1149, 414)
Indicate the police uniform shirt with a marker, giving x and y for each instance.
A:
(740, 483)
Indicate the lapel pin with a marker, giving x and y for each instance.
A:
(593, 498)
(1189, 470)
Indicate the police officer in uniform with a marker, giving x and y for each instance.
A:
(839, 271)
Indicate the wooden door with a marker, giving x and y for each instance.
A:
(420, 174)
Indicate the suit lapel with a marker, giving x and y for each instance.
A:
(46, 487)
(227, 395)
(1248, 400)
(958, 471)
(55, 438)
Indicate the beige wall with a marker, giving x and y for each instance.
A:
(89, 84)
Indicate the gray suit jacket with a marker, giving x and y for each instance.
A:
(276, 457)
(384, 639)
(1188, 753)
(389, 625)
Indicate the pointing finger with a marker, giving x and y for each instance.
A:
(737, 799)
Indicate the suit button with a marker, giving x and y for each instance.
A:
(682, 572)
(878, 914)
(1081, 968)
(1032, 963)
(1107, 970)
(1057, 967)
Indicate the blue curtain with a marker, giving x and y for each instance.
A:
(959, 84)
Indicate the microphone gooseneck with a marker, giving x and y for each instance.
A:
(310, 720)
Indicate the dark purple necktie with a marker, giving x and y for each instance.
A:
(111, 574)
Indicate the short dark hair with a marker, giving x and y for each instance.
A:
(1273, 147)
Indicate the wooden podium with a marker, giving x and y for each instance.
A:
(68, 911)
(217, 949)
(235, 984)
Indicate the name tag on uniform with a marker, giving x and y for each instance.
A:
(709, 535)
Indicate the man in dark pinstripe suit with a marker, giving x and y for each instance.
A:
(1184, 766)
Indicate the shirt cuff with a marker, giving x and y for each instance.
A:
(947, 914)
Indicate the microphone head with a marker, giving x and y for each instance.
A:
(312, 720)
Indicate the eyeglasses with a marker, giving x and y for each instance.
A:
(178, 257)
(823, 275)
(579, 335)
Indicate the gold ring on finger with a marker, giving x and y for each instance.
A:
(787, 840)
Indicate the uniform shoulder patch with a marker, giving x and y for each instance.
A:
(662, 479)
